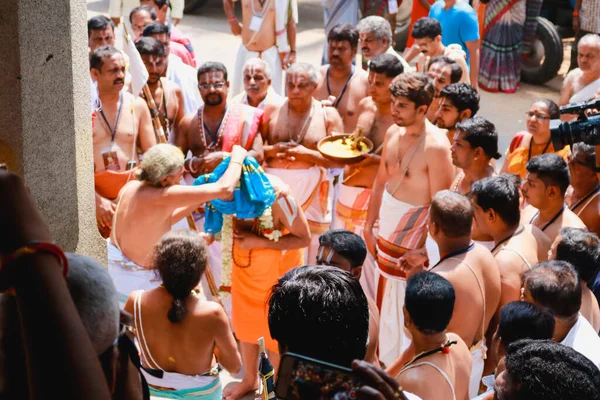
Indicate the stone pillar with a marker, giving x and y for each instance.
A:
(45, 124)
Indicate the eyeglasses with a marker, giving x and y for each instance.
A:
(539, 117)
(571, 159)
(208, 86)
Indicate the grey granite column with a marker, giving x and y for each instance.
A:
(45, 124)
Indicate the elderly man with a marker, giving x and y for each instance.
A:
(443, 71)
(581, 84)
(101, 32)
(167, 95)
(268, 31)
(258, 91)
(555, 286)
(291, 137)
(584, 196)
(340, 83)
(427, 33)
(544, 189)
(141, 17)
(176, 70)
(124, 125)
(376, 38)
(415, 164)
(374, 120)
(159, 194)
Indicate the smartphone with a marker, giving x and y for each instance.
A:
(305, 378)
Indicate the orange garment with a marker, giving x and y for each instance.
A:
(418, 11)
(517, 160)
(109, 183)
(253, 275)
(481, 18)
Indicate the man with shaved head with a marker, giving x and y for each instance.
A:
(291, 137)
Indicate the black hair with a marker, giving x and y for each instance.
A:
(429, 301)
(581, 249)
(501, 194)
(97, 57)
(480, 132)
(320, 312)
(522, 320)
(452, 213)
(150, 10)
(553, 108)
(542, 369)
(151, 46)
(426, 28)
(551, 169)
(387, 64)
(344, 33)
(554, 285)
(156, 28)
(180, 258)
(416, 87)
(347, 244)
(161, 3)
(99, 22)
(456, 71)
(462, 96)
(212, 66)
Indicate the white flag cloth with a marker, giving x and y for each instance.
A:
(136, 67)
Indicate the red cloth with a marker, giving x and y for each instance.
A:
(183, 45)
(241, 127)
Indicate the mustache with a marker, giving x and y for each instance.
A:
(253, 87)
(117, 81)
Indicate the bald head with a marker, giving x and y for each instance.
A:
(588, 53)
(452, 213)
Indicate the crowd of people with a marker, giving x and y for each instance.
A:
(428, 268)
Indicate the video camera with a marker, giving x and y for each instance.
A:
(584, 129)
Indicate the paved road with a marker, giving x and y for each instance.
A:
(209, 33)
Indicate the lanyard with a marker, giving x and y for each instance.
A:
(456, 253)
(337, 101)
(113, 131)
(587, 196)
(531, 144)
(519, 230)
(558, 214)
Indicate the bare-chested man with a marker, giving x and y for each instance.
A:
(473, 272)
(442, 368)
(167, 95)
(544, 190)
(258, 91)
(147, 209)
(374, 119)
(268, 32)
(258, 262)
(123, 125)
(581, 84)
(415, 165)
(291, 137)
(456, 102)
(211, 131)
(443, 71)
(583, 198)
(342, 84)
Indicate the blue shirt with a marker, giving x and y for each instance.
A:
(459, 23)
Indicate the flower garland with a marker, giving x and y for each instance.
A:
(265, 229)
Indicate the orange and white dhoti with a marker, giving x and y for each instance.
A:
(313, 189)
(351, 214)
(402, 227)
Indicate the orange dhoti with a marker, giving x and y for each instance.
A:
(108, 184)
(253, 275)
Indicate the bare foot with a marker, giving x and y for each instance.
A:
(237, 390)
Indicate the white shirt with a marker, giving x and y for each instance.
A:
(185, 76)
(583, 339)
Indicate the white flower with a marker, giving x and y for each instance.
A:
(227, 249)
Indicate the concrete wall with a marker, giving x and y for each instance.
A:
(45, 124)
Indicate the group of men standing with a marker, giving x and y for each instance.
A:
(411, 186)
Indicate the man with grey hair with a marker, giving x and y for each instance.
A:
(257, 85)
(148, 207)
(291, 137)
(375, 35)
